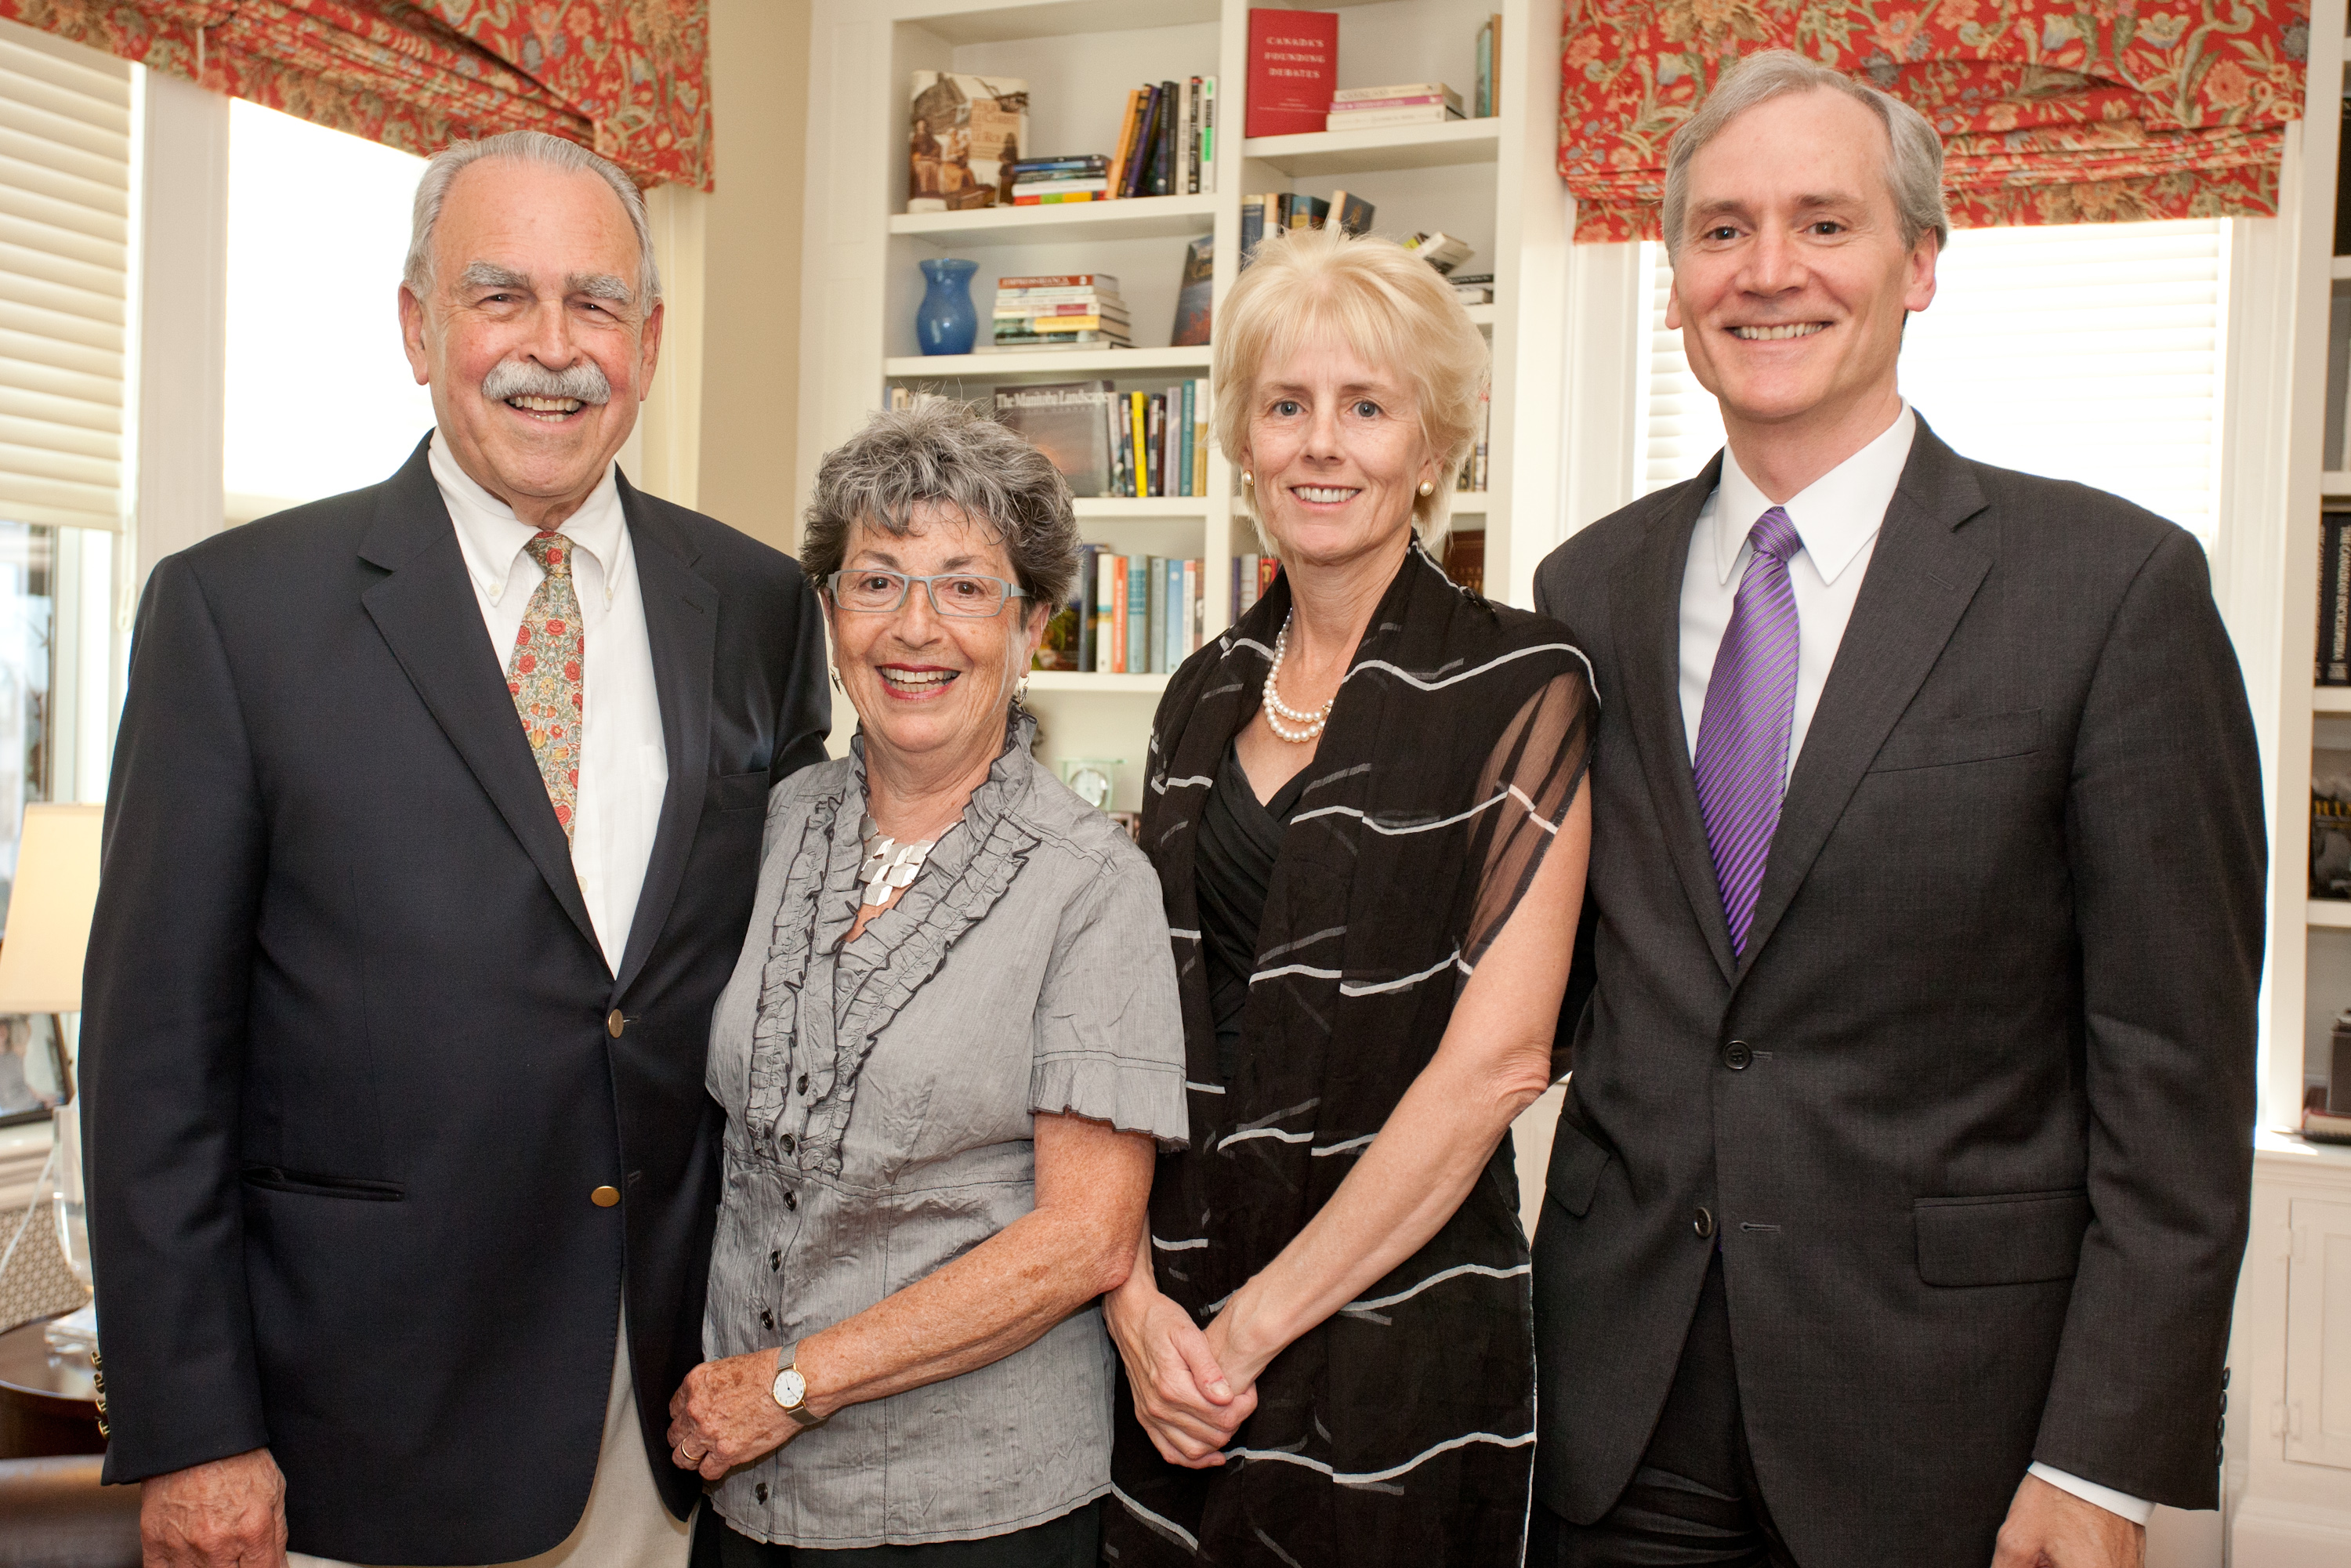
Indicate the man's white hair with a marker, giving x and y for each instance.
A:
(527, 147)
(1914, 164)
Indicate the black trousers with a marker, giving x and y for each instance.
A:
(1694, 1499)
(1073, 1541)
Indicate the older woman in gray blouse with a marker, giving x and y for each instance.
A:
(946, 1055)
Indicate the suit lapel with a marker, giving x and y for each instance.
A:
(682, 625)
(1921, 579)
(427, 613)
(1645, 606)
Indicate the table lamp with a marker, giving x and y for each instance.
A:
(48, 920)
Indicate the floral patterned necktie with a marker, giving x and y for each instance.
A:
(543, 673)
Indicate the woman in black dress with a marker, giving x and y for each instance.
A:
(1365, 809)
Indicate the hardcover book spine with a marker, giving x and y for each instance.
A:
(1191, 607)
(1162, 180)
(1114, 618)
(1127, 127)
(1139, 580)
(1200, 438)
(1138, 157)
(1252, 227)
(1184, 435)
(1137, 416)
(1209, 136)
(2335, 600)
(1089, 566)
(1192, 136)
(1293, 68)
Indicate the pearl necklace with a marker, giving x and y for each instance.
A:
(889, 864)
(1310, 725)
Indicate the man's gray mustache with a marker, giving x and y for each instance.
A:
(522, 378)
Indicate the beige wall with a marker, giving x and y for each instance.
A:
(751, 266)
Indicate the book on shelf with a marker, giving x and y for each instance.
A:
(2334, 598)
(1473, 473)
(2330, 823)
(1399, 92)
(1472, 288)
(1195, 294)
(1056, 309)
(1252, 227)
(1064, 645)
(1304, 212)
(1465, 559)
(1441, 251)
(1039, 181)
(1064, 421)
(1389, 119)
(967, 135)
(1484, 99)
(1354, 213)
(1293, 69)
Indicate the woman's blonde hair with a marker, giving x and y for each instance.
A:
(1388, 306)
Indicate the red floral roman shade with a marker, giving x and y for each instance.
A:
(625, 76)
(2052, 111)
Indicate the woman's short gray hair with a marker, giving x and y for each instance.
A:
(1914, 166)
(943, 452)
(525, 147)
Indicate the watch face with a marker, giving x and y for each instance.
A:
(790, 1387)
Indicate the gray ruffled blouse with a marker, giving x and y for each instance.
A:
(879, 1097)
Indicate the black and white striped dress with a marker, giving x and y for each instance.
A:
(1401, 1431)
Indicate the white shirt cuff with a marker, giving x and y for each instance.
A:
(2138, 1510)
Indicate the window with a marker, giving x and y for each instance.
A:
(321, 399)
(2090, 352)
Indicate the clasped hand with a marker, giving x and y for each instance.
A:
(1187, 1400)
(725, 1415)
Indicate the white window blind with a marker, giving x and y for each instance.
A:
(65, 230)
(2090, 352)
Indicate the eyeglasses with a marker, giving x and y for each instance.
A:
(966, 595)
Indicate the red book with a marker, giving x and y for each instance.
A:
(1293, 69)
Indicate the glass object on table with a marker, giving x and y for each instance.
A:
(77, 1332)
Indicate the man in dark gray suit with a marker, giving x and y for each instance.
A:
(1896, 1207)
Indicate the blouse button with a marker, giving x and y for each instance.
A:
(776, 1259)
(766, 1319)
(803, 1082)
(791, 1204)
(760, 1491)
(790, 1145)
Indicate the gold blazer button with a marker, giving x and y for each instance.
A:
(605, 1197)
(615, 1023)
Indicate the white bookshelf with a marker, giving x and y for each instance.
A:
(1492, 182)
(2287, 1470)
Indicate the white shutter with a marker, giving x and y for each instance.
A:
(2090, 352)
(64, 221)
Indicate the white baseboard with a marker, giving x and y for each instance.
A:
(2270, 1534)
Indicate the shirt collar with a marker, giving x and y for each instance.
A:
(493, 538)
(1835, 514)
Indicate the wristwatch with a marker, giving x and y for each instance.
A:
(791, 1389)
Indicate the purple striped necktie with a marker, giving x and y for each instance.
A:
(1741, 760)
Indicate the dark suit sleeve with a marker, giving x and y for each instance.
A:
(171, 952)
(804, 718)
(2165, 839)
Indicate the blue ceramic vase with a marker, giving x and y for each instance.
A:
(946, 322)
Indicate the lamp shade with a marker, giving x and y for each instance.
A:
(49, 912)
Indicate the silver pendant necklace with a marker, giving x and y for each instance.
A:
(889, 865)
(1308, 725)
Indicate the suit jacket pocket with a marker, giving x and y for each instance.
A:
(272, 1178)
(1576, 1162)
(2008, 1238)
(1979, 738)
(738, 791)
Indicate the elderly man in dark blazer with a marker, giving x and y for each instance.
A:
(1896, 1207)
(432, 833)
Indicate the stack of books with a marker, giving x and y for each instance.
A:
(1047, 182)
(1061, 310)
(1472, 288)
(1405, 103)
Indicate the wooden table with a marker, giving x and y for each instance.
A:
(48, 1403)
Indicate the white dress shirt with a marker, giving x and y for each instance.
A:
(1837, 516)
(623, 763)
